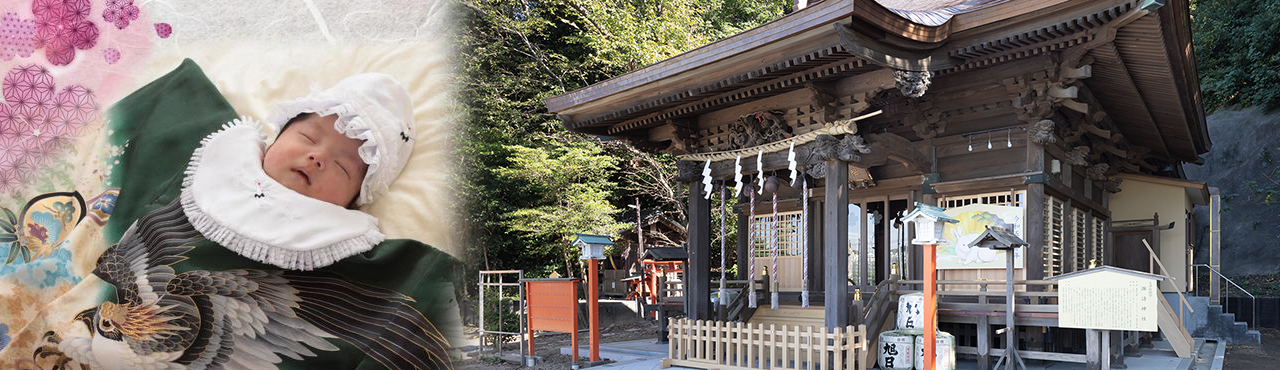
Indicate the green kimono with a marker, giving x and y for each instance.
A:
(169, 296)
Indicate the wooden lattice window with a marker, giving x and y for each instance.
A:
(1079, 239)
(789, 234)
(1014, 199)
(1098, 238)
(1054, 231)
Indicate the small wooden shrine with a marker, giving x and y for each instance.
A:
(1030, 115)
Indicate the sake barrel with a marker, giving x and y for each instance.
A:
(945, 354)
(911, 312)
(896, 350)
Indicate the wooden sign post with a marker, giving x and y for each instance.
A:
(929, 221)
(1104, 299)
(553, 306)
(998, 238)
(593, 247)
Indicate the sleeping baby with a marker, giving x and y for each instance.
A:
(262, 259)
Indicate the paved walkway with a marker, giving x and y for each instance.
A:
(645, 354)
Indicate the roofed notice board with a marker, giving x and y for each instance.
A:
(1108, 299)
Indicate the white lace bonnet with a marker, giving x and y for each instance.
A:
(373, 107)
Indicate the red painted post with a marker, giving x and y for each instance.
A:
(930, 305)
(530, 327)
(593, 309)
(575, 325)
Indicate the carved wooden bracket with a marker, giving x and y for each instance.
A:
(823, 99)
(924, 119)
(758, 128)
(867, 151)
(912, 84)
(679, 136)
(1078, 156)
(1035, 95)
(846, 149)
(886, 146)
(1041, 132)
(688, 171)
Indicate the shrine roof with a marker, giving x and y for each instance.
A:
(1145, 78)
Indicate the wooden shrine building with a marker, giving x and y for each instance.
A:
(1026, 114)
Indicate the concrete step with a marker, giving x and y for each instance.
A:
(1252, 336)
(1211, 321)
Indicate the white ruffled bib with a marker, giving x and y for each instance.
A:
(228, 198)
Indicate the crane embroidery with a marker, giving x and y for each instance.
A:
(234, 319)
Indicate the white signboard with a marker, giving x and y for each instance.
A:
(1108, 300)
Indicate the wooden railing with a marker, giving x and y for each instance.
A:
(986, 306)
(738, 309)
(738, 345)
(878, 313)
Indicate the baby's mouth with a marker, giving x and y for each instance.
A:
(303, 174)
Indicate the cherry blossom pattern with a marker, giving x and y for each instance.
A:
(17, 36)
(120, 12)
(37, 120)
(163, 30)
(62, 26)
(111, 55)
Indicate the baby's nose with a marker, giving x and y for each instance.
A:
(316, 160)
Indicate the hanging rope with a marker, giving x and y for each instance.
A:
(751, 277)
(723, 297)
(804, 241)
(774, 240)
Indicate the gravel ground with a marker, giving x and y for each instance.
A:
(1254, 356)
(548, 346)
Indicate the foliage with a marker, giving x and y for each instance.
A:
(530, 183)
(501, 314)
(1237, 47)
(9, 234)
(570, 189)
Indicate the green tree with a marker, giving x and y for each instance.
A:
(1237, 45)
(572, 189)
(513, 54)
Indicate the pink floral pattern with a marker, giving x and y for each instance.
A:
(111, 55)
(37, 120)
(62, 26)
(17, 36)
(120, 13)
(163, 30)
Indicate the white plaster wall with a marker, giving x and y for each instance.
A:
(1139, 199)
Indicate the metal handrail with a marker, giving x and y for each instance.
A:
(1226, 302)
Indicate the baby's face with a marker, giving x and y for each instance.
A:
(313, 159)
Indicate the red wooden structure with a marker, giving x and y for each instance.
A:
(553, 306)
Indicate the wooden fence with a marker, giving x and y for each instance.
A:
(737, 345)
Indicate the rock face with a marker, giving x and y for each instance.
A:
(1250, 230)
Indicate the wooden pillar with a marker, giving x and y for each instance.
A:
(984, 342)
(815, 247)
(1034, 257)
(835, 244)
(1093, 350)
(1035, 234)
(697, 276)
